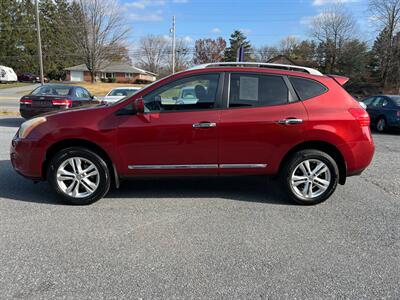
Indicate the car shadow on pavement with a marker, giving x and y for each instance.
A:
(248, 189)
(11, 122)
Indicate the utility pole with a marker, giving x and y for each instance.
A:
(39, 43)
(173, 31)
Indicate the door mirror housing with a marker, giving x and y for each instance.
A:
(138, 106)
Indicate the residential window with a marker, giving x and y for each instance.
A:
(107, 75)
(128, 75)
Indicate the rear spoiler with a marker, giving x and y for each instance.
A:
(341, 80)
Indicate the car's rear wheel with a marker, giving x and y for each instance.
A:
(310, 176)
(79, 176)
(381, 125)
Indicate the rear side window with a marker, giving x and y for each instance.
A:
(248, 90)
(307, 88)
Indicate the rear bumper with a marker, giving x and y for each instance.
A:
(29, 112)
(358, 155)
(26, 158)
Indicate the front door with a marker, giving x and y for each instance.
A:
(263, 120)
(178, 132)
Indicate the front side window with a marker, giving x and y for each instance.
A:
(247, 90)
(307, 88)
(195, 92)
(81, 93)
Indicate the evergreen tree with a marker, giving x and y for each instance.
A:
(238, 39)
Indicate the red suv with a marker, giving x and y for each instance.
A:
(239, 119)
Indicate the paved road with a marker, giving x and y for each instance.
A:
(9, 98)
(223, 238)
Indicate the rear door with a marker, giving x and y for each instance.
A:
(262, 121)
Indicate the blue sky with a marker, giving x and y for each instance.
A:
(265, 22)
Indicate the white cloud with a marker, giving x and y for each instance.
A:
(188, 39)
(180, 1)
(150, 17)
(142, 4)
(216, 30)
(324, 2)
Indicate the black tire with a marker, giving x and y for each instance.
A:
(381, 125)
(290, 166)
(81, 152)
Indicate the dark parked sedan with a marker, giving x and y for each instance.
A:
(49, 98)
(384, 111)
(29, 77)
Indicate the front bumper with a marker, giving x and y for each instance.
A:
(26, 158)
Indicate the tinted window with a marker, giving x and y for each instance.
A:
(369, 100)
(257, 90)
(82, 93)
(196, 92)
(48, 90)
(307, 88)
(378, 101)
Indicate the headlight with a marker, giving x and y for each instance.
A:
(27, 127)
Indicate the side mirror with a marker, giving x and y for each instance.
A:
(138, 105)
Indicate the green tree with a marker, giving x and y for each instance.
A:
(238, 39)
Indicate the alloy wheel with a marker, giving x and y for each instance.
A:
(310, 179)
(381, 125)
(78, 177)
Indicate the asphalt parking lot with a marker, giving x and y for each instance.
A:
(199, 238)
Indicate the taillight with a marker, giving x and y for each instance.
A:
(25, 101)
(62, 102)
(360, 115)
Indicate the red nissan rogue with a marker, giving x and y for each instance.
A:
(231, 119)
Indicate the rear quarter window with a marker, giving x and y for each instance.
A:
(307, 88)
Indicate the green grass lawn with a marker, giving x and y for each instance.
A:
(13, 84)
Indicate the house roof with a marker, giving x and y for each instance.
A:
(113, 67)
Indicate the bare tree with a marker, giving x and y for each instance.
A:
(153, 51)
(182, 56)
(209, 51)
(265, 53)
(287, 45)
(98, 32)
(386, 14)
(332, 28)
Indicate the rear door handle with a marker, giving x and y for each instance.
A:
(204, 125)
(290, 121)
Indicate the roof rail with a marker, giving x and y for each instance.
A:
(259, 65)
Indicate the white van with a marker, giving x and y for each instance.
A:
(7, 74)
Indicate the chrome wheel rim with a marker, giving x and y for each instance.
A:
(78, 177)
(381, 125)
(310, 179)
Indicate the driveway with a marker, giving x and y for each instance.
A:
(201, 238)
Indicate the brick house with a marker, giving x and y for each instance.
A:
(122, 72)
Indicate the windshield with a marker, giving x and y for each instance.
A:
(52, 91)
(122, 92)
(396, 99)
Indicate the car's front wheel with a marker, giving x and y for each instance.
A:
(381, 125)
(310, 176)
(79, 175)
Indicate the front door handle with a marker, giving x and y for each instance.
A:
(204, 125)
(290, 121)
